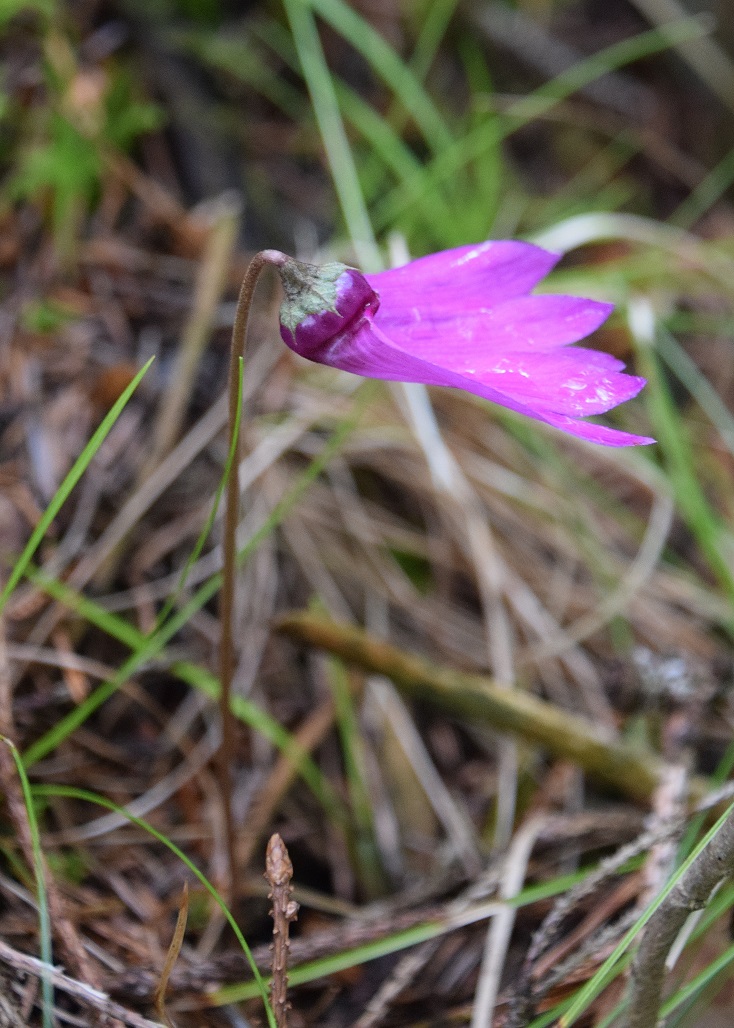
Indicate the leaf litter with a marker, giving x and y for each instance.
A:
(571, 562)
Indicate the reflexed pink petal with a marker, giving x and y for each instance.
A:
(368, 351)
(576, 382)
(471, 340)
(596, 433)
(467, 278)
(557, 404)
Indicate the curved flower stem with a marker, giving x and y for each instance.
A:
(229, 543)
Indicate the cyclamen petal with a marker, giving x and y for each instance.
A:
(523, 324)
(469, 277)
(463, 318)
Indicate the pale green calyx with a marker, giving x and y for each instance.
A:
(309, 289)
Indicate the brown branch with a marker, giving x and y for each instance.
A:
(691, 893)
(631, 770)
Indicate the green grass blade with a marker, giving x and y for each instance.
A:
(392, 154)
(73, 720)
(260, 721)
(706, 193)
(433, 29)
(377, 131)
(386, 63)
(689, 374)
(148, 648)
(70, 792)
(111, 624)
(366, 854)
(680, 460)
(720, 775)
(336, 144)
(62, 493)
(249, 713)
(385, 946)
(417, 934)
(486, 175)
(484, 137)
(44, 918)
(687, 992)
(389, 152)
(701, 980)
(235, 55)
(596, 183)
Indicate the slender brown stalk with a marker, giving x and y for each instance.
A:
(229, 546)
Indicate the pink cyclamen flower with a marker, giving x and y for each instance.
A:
(463, 318)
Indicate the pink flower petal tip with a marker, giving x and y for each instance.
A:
(463, 318)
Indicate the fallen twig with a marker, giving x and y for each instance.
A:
(83, 993)
(631, 770)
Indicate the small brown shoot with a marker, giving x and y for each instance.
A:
(278, 873)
